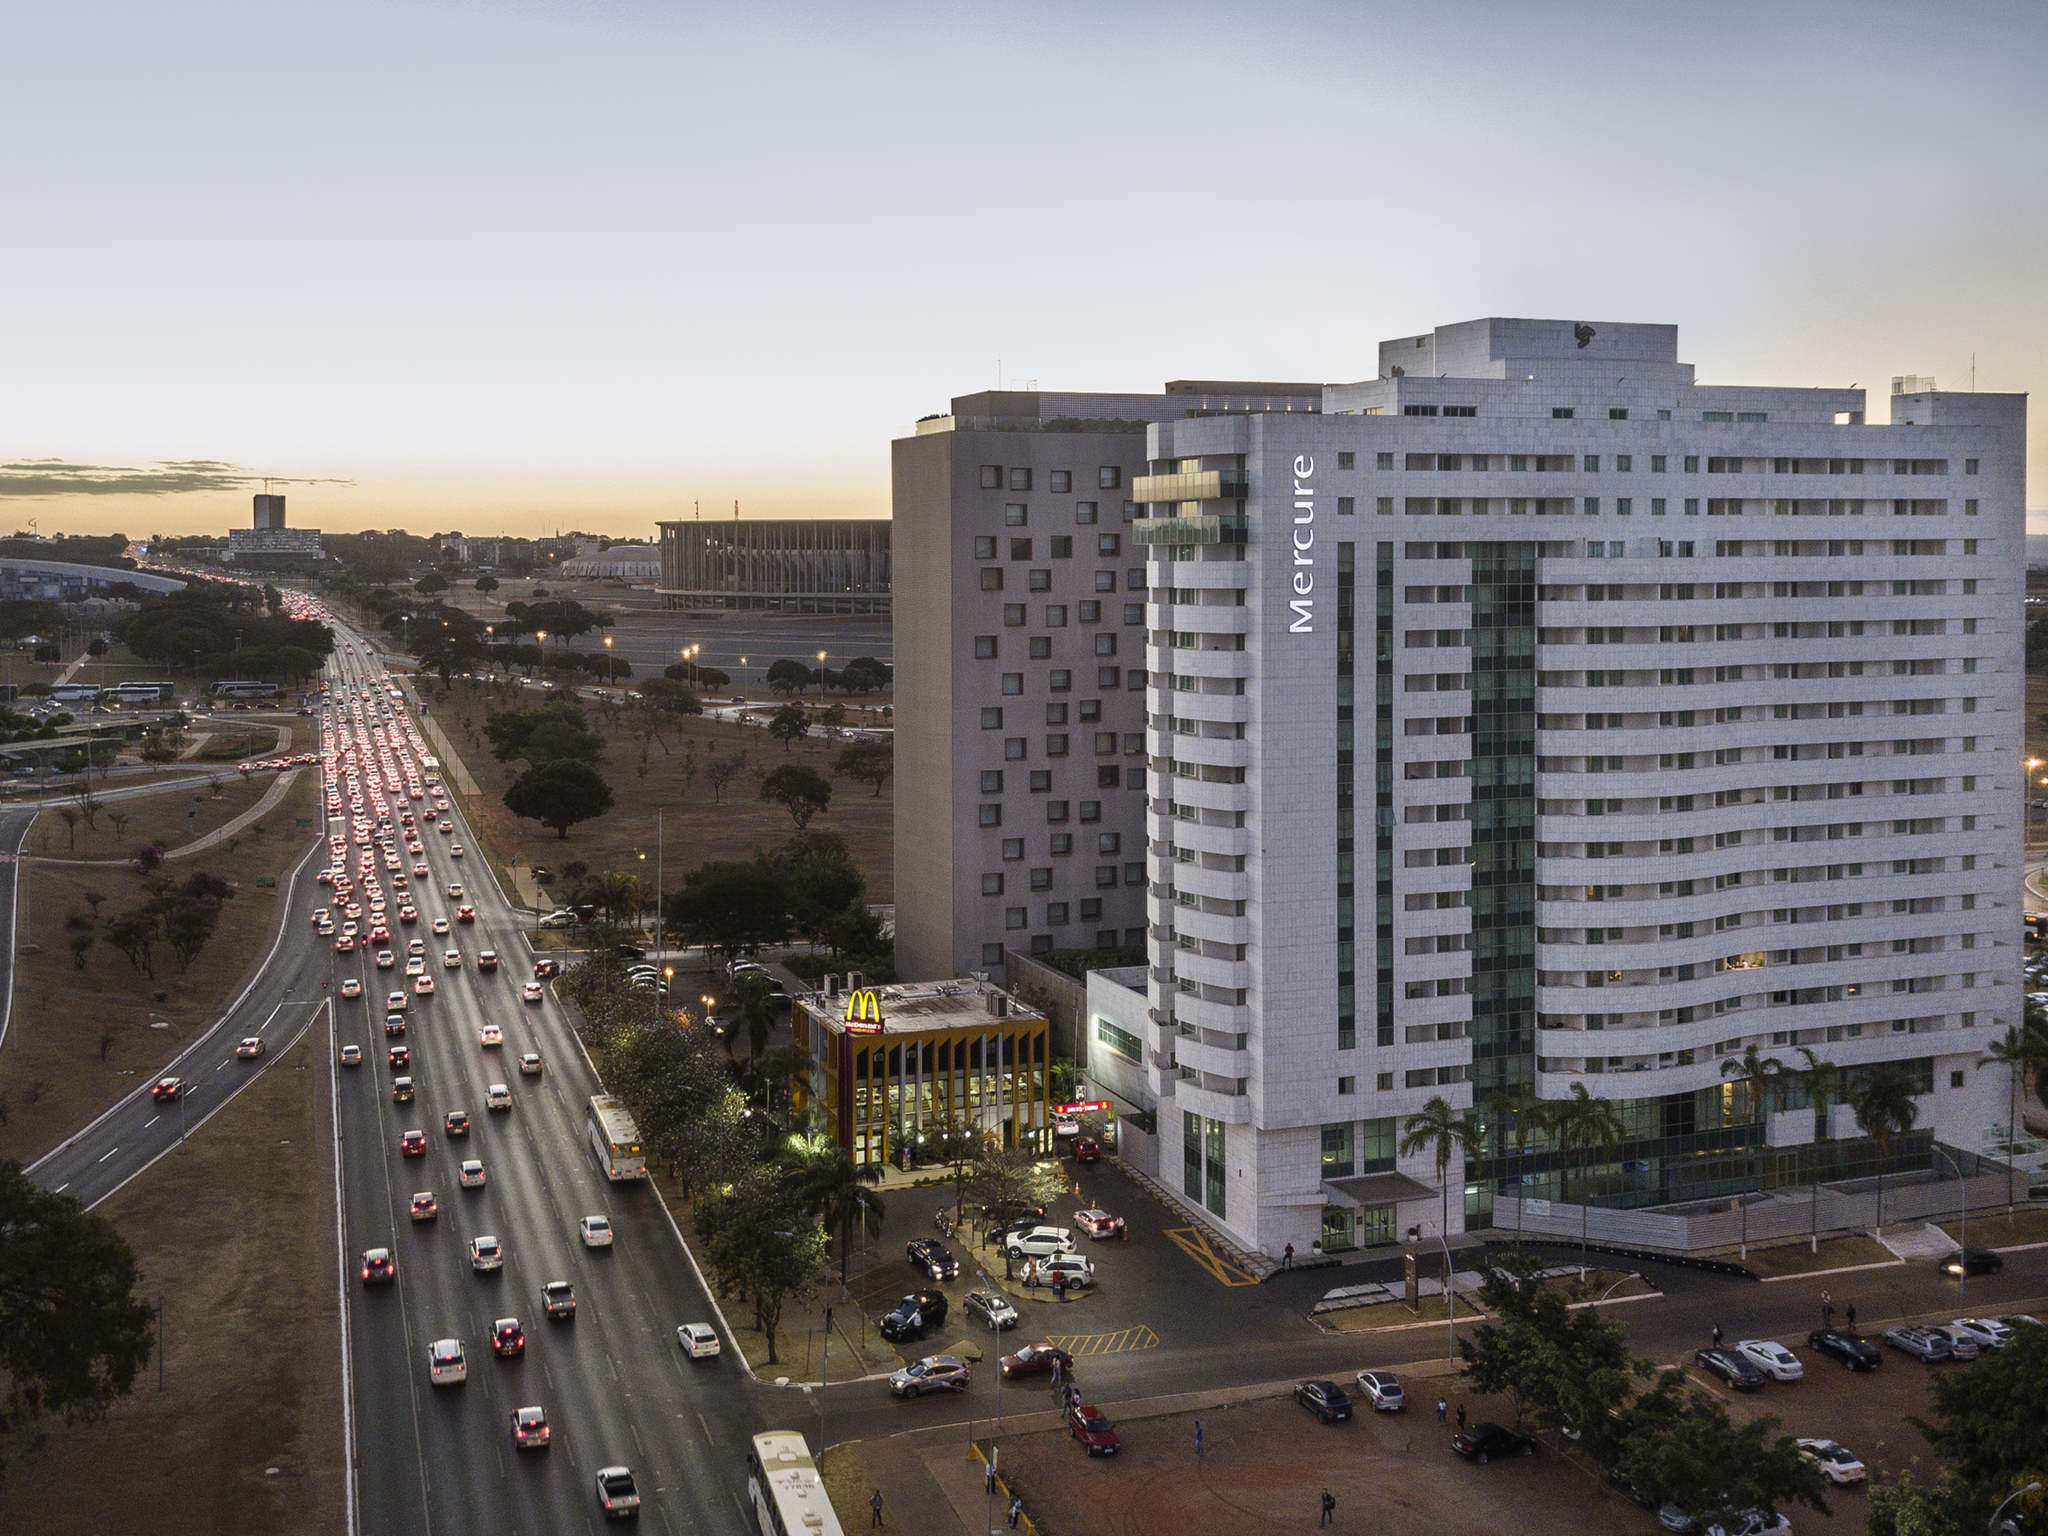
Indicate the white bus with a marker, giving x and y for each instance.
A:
(75, 693)
(616, 1140)
(140, 693)
(244, 690)
(784, 1486)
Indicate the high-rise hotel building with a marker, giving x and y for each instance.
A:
(1535, 717)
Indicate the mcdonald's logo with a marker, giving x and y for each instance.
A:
(864, 1011)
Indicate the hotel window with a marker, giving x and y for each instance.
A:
(1107, 678)
(1041, 781)
(1041, 879)
(1109, 543)
(1062, 480)
(1692, 463)
(1091, 612)
(1624, 506)
(1337, 1157)
(1055, 714)
(1383, 506)
(1134, 613)
(1015, 514)
(1107, 776)
(1091, 710)
(1091, 810)
(985, 547)
(1056, 745)
(1383, 461)
(1041, 648)
(992, 955)
(991, 815)
(1091, 910)
(1105, 643)
(1592, 463)
(1122, 1041)
(1020, 549)
(1592, 506)
(1624, 462)
(1347, 460)
(1656, 506)
(1347, 506)
(1084, 512)
(1109, 477)
(1041, 581)
(991, 719)
(1014, 749)
(1969, 466)
(1134, 873)
(1013, 683)
(1020, 479)
(1062, 546)
(1055, 615)
(1617, 413)
(1105, 875)
(1105, 581)
(1561, 413)
(991, 781)
(1134, 579)
(1055, 914)
(1014, 917)
(1656, 463)
(1062, 844)
(1056, 811)
(991, 578)
(991, 477)
(992, 885)
(984, 647)
(1108, 842)
(1013, 614)
(1013, 848)
(1059, 679)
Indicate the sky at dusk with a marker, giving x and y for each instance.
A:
(509, 267)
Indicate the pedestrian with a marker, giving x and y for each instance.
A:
(1461, 1416)
(1198, 1440)
(1055, 1373)
(1717, 1335)
(1852, 1317)
(1016, 1508)
(1123, 1230)
(1287, 1257)
(1442, 1410)
(1059, 1285)
(1329, 1509)
(875, 1504)
(990, 1480)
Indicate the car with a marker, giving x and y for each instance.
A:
(351, 988)
(416, 947)
(2019, 1320)
(440, 925)
(168, 1090)
(1325, 1399)
(558, 1301)
(934, 1258)
(486, 1253)
(413, 1144)
(394, 1025)
(423, 1206)
(1090, 1425)
(1985, 1332)
(471, 1173)
(1836, 1462)
(507, 1337)
(451, 959)
(617, 1495)
(445, 827)
(934, 1373)
(532, 992)
(529, 1064)
(455, 850)
(699, 1340)
(1383, 1390)
(737, 968)
(1772, 1358)
(1857, 1354)
(596, 1231)
(487, 959)
(455, 891)
(456, 1122)
(423, 985)
(497, 1096)
(345, 944)
(1076, 1272)
(465, 914)
(1099, 1224)
(1036, 1360)
(913, 1316)
(1066, 1125)
(561, 917)
(992, 1308)
(446, 1366)
(543, 969)
(386, 959)
(1087, 1150)
(351, 1055)
(379, 1267)
(530, 1428)
(1486, 1442)
(401, 1089)
(1929, 1344)
(490, 1037)
(1753, 1522)
(249, 1047)
(1039, 1243)
(396, 1002)
(1972, 1261)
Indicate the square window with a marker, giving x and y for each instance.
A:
(1134, 743)
(1105, 643)
(1055, 615)
(1041, 781)
(1624, 505)
(991, 956)
(1084, 512)
(984, 647)
(1656, 463)
(1020, 549)
(1041, 879)
(1347, 506)
(1346, 1086)
(992, 884)
(1091, 810)
(991, 815)
(1108, 543)
(1062, 844)
(1041, 581)
(1091, 911)
(1384, 1082)
(991, 477)
(991, 781)
(1134, 579)
(1016, 514)
(1692, 463)
(1592, 463)
(1013, 848)
(1969, 466)
(1107, 678)
(1091, 710)
(1020, 479)
(1041, 943)
(1055, 913)
(1061, 480)
(1108, 776)
(991, 578)
(1013, 614)
(984, 546)
(1062, 546)
(991, 719)
(1013, 683)
(1955, 1079)
(1109, 477)
(1013, 917)
(1056, 746)
(1055, 714)
(1134, 872)
(1055, 811)
(1347, 460)
(1383, 506)
(1105, 581)
(1383, 461)
(1624, 462)
(1091, 611)
(1105, 743)
(1105, 876)
(1041, 647)
(1059, 680)
(1015, 749)
(1135, 679)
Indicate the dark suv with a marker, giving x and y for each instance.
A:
(932, 1257)
(915, 1315)
(1857, 1354)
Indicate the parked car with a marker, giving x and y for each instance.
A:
(1490, 1442)
(1857, 1354)
(1090, 1425)
(992, 1308)
(1071, 1268)
(1099, 1224)
(1836, 1463)
(1929, 1344)
(1772, 1358)
(1961, 1346)
(1988, 1332)
(1732, 1368)
(934, 1373)
(1039, 1243)
(933, 1257)
(914, 1316)
(1383, 1390)
(1325, 1399)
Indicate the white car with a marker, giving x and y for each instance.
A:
(697, 1339)
(351, 987)
(451, 960)
(396, 1002)
(455, 850)
(446, 1366)
(1383, 1391)
(1836, 1462)
(1076, 1271)
(498, 1096)
(1772, 1358)
(1988, 1332)
(490, 1035)
(532, 992)
(486, 1253)
(1754, 1522)
(596, 1230)
(1040, 1243)
(471, 1175)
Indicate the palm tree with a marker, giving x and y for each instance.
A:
(2021, 1049)
(1822, 1081)
(753, 1003)
(1440, 1130)
(1582, 1123)
(836, 1188)
(1760, 1075)
(1523, 1115)
(1885, 1107)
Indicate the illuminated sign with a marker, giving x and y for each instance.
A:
(1302, 605)
(1085, 1107)
(864, 1012)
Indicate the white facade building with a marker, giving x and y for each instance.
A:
(1534, 717)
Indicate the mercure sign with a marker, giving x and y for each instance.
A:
(1303, 604)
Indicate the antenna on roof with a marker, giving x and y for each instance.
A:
(700, 510)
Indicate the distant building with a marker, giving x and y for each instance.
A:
(61, 581)
(622, 562)
(269, 543)
(802, 565)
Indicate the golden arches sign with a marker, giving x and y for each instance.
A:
(864, 1009)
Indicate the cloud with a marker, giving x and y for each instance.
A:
(169, 477)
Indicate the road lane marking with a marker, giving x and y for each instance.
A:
(152, 1120)
(1121, 1342)
(1195, 1244)
(61, 1187)
(110, 1154)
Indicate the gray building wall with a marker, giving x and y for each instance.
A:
(806, 565)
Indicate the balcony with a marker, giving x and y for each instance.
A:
(1200, 528)
(1192, 485)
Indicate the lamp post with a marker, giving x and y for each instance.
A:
(743, 669)
(541, 640)
(1450, 1293)
(608, 661)
(1992, 1529)
(821, 672)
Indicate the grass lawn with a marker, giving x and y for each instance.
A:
(169, 820)
(1835, 1253)
(2001, 1231)
(1394, 1314)
(236, 1233)
(81, 1038)
(644, 776)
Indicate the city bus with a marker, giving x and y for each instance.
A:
(784, 1486)
(244, 690)
(616, 1140)
(75, 693)
(140, 693)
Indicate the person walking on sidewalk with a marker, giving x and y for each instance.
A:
(1442, 1410)
(1851, 1314)
(1717, 1335)
(1198, 1441)
(1329, 1509)
(1016, 1508)
(875, 1504)
(1287, 1257)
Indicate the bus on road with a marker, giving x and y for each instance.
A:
(140, 693)
(75, 693)
(616, 1140)
(784, 1487)
(244, 690)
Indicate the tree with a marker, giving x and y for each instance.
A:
(721, 771)
(1884, 1107)
(2023, 1048)
(835, 1189)
(81, 945)
(957, 1144)
(1009, 1179)
(69, 816)
(1441, 1130)
(728, 905)
(135, 935)
(1760, 1075)
(1582, 1123)
(487, 584)
(1678, 1446)
(822, 880)
(864, 674)
(802, 791)
(865, 762)
(431, 584)
(1528, 1116)
(786, 677)
(665, 693)
(187, 927)
(73, 1334)
(535, 736)
(1562, 1366)
(760, 1247)
(559, 794)
(753, 1001)
(790, 724)
(1986, 1423)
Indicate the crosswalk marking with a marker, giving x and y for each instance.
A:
(1121, 1342)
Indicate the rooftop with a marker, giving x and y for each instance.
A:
(908, 1008)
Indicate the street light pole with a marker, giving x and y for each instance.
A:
(660, 926)
(2018, 1493)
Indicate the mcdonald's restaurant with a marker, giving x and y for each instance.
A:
(890, 1062)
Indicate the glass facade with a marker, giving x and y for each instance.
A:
(1347, 931)
(1383, 793)
(1201, 1158)
(1503, 591)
